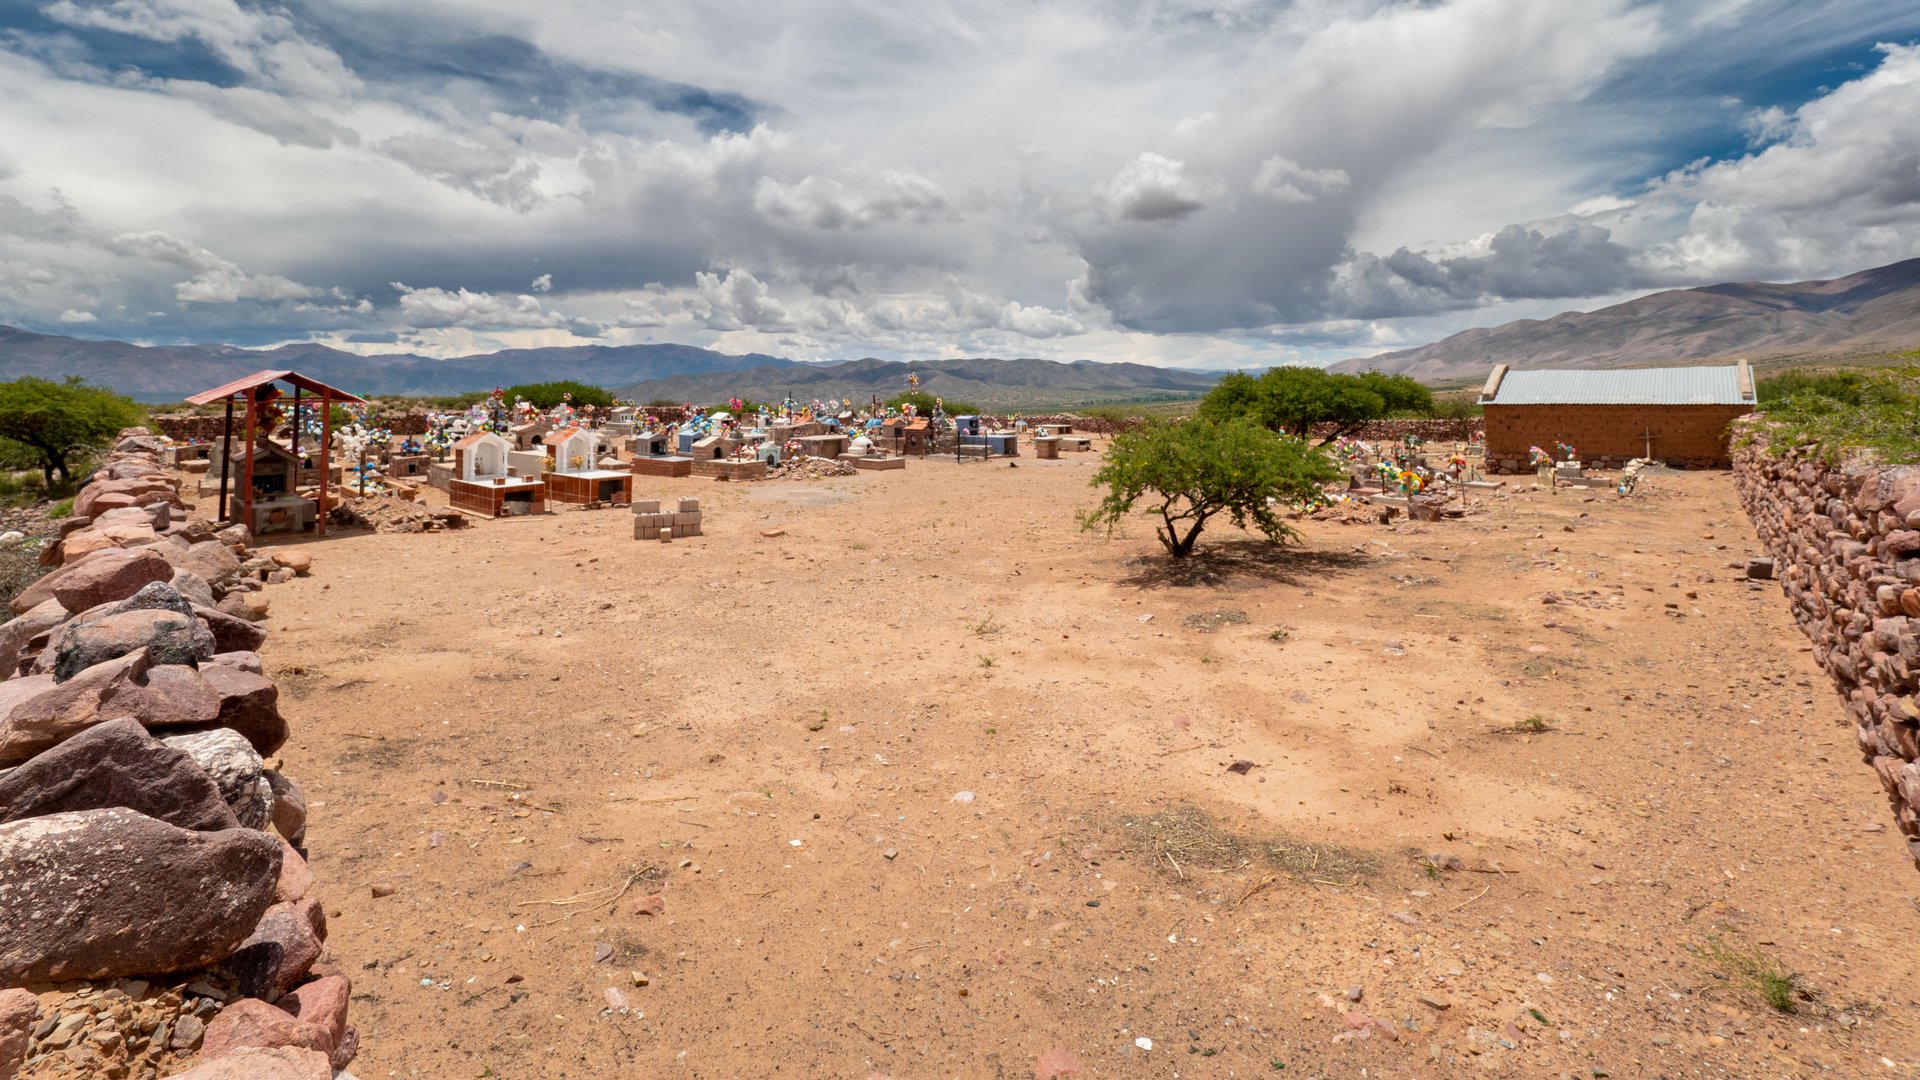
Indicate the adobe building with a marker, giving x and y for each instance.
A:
(1676, 415)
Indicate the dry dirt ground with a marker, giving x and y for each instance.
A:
(936, 785)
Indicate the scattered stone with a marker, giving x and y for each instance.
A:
(1435, 1002)
(653, 904)
(1760, 568)
(101, 894)
(299, 562)
(1354, 993)
(381, 889)
(187, 1033)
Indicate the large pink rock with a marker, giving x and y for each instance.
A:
(212, 560)
(18, 1011)
(295, 880)
(102, 494)
(231, 634)
(281, 949)
(37, 714)
(116, 764)
(253, 1024)
(168, 636)
(102, 894)
(253, 1063)
(22, 629)
(322, 1005)
(107, 576)
(249, 704)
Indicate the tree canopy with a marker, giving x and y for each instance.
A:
(1189, 472)
(548, 394)
(1296, 399)
(922, 403)
(55, 421)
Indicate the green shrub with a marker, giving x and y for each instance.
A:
(1192, 471)
(57, 422)
(1297, 399)
(1868, 410)
(548, 394)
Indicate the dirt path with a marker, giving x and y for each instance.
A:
(934, 784)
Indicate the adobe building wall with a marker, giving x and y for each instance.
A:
(1608, 436)
(1846, 546)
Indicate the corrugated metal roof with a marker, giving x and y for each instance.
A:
(262, 378)
(1718, 385)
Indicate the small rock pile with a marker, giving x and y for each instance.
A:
(392, 514)
(1847, 541)
(805, 467)
(155, 901)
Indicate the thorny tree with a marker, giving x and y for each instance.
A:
(1189, 472)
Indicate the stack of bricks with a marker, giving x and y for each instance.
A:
(651, 523)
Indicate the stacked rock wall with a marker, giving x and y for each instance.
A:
(1846, 545)
(155, 902)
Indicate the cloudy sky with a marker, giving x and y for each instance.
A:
(1200, 185)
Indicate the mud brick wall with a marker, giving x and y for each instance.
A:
(1846, 545)
(1436, 431)
(1608, 436)
(190, 428)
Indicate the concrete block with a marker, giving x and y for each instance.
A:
(688, 506)
(646, 506)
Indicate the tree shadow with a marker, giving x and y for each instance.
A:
(1219, 564)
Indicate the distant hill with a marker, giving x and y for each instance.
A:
(1874, 310)
(647, 372)
(985, 382)
(171, 372)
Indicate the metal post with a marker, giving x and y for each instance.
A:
(226, 462)
(246, 474)
(326, 460)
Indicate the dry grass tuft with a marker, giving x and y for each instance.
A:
(1182, 840)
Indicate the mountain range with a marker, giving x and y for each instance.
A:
(171, 372)
(1874, 310)
(987, 383)
(646, 372)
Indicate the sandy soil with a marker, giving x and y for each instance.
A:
(1203, 805)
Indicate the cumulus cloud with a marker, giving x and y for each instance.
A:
(826, 203)
(435, 307)
(1069, 179)
(1152, 189)
(72, 317)
(1289, 182)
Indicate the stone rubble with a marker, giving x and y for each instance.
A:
(156, 903)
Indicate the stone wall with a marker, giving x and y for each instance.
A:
(154, 890)
(1846, 544)
(199, 427)
(1608, 436)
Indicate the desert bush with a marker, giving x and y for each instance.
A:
(1188, 473)
(1296, 399)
